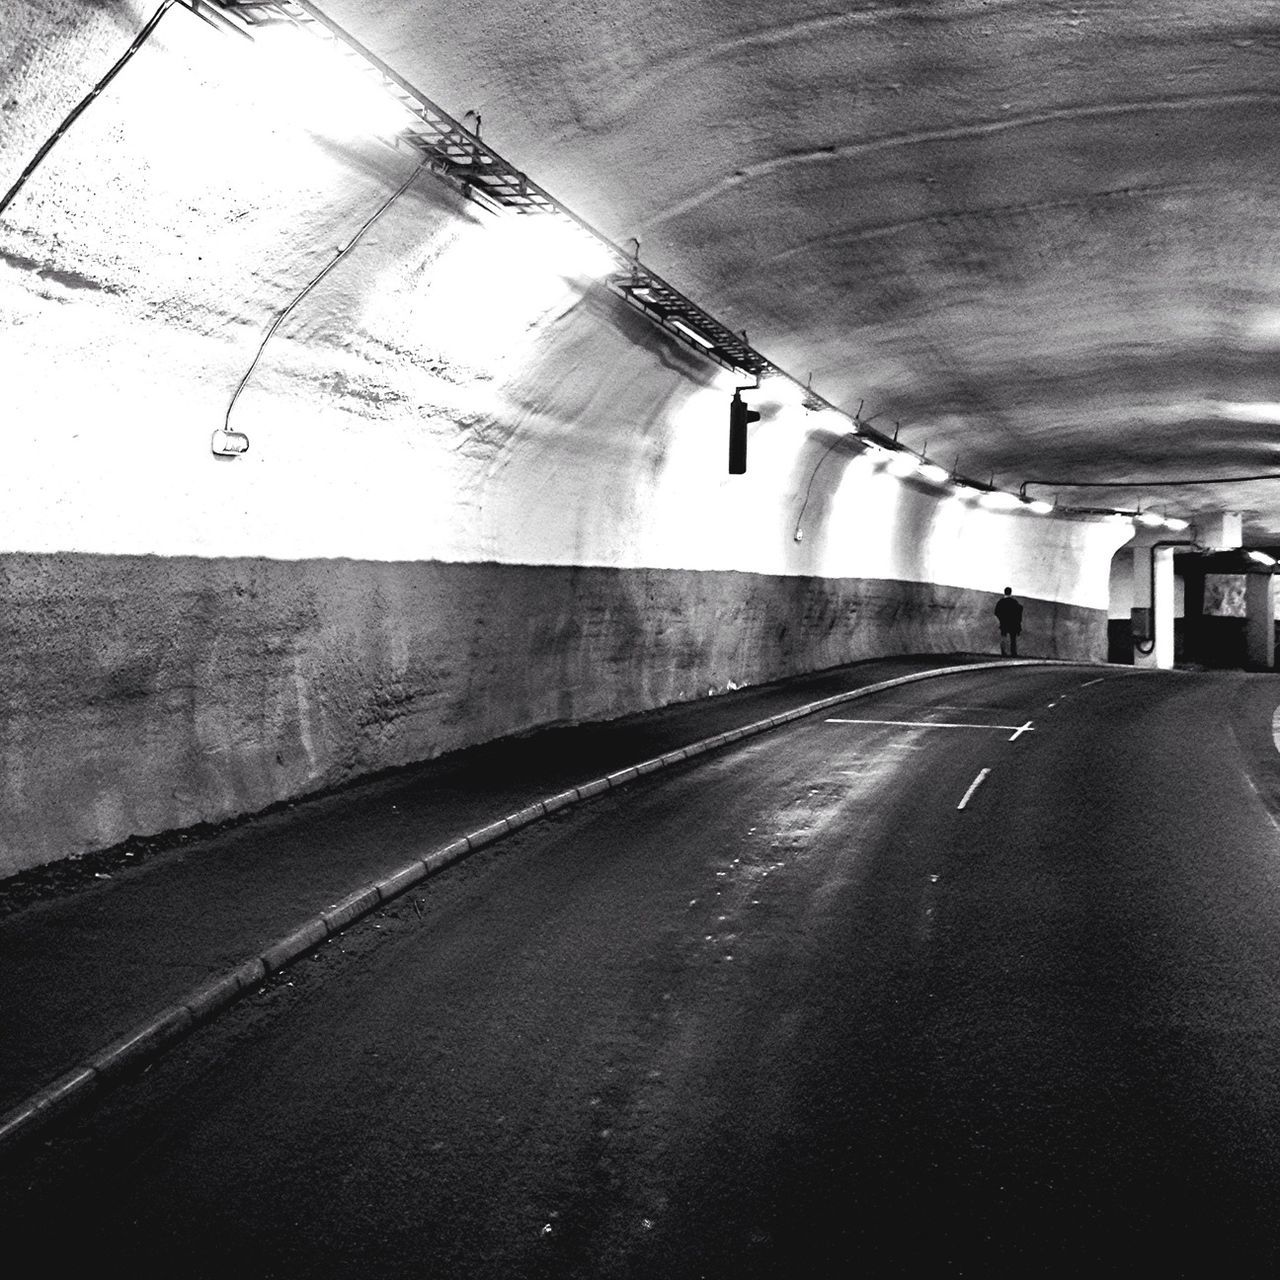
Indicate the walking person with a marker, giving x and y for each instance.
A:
(1009, 615)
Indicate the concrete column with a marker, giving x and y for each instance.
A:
(1260, 613)
(1163, 608)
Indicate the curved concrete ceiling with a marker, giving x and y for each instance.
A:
(1042, 236)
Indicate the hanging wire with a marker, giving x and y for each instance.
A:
(813, 475)
(315, 280)
(75, 111)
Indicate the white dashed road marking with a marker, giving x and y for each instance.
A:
(973, 786)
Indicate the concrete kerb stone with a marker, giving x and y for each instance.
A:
(487, 835)
(447, 856)
(152, 1038)
(350, 908)
(523, 817)
(142, 1043)
(214, 996)
(396, 883)
(558, 801)
(60, 1095)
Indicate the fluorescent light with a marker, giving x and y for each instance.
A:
(327, 89)
(999, 500)
(1150, 518)
(1038, 506)
(1176, 524)
(1261, 557)
(902, 465)
(1266, 412)
(933, 473)
(564, 246)
(699, 338)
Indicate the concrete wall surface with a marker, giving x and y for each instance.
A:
(482, 493)
(145, 693)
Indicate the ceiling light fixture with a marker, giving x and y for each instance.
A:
(999, 500)
(689, 332)
(902, 465)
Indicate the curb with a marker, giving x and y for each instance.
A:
(147, 1041)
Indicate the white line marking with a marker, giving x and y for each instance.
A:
(1026, 728)
(973, 786)
(1087, 683)
(1053, 704)
(926, 724)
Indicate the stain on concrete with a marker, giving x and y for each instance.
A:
(44, 271)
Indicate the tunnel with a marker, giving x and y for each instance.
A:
(466, 411)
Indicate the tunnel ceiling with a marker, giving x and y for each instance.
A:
(1044, 237)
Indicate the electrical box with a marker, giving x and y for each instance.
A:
(1140, 623)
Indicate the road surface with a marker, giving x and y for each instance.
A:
(977, 976)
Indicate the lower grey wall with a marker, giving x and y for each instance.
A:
(146, 693)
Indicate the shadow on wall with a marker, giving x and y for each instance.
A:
(816, 479)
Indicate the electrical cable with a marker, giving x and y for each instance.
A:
(1147, 647)
(75, 112)
(315, 280)
(813, 475)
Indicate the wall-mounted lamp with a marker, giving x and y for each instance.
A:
(902, 465)
(229, 444)
(739, 417)
(999, 500)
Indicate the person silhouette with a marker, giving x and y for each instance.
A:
(1009, 615)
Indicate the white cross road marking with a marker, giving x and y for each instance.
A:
(934, 724)
(973, 786)
(1026, 728)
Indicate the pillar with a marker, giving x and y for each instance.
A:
(1260, 614)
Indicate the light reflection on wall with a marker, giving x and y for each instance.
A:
(474, 301)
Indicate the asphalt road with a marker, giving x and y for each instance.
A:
(790, 1010)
